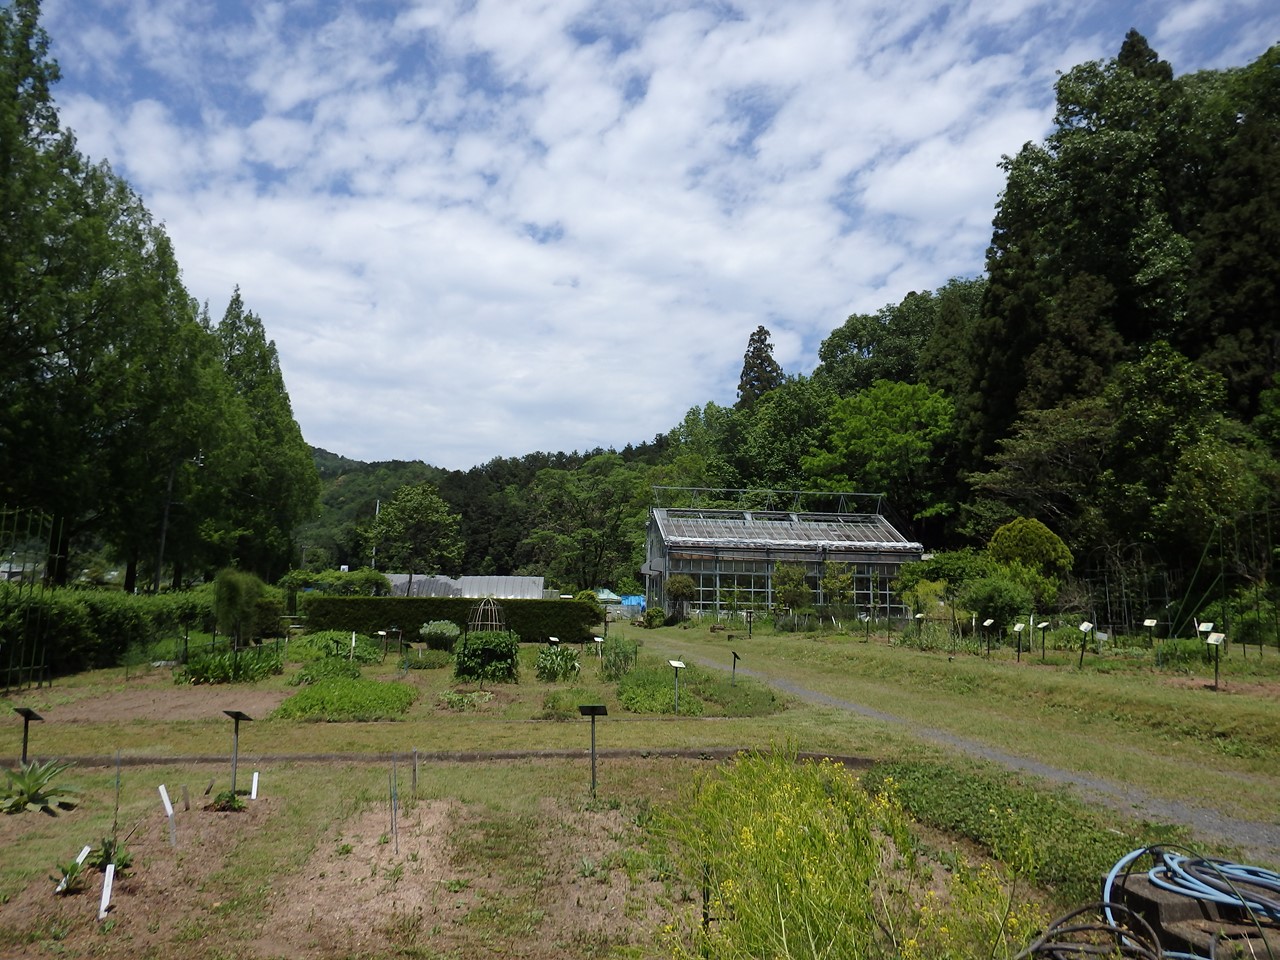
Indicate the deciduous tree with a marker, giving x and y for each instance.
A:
(415, 532)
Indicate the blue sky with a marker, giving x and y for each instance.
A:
(480, 229)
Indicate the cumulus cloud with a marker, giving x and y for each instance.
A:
(479, 229)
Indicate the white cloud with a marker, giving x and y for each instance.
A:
(473, 234)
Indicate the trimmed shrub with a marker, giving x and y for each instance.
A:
(530, 620)
(440, 634)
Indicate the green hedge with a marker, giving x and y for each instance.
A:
(531, 620)
(92, 629)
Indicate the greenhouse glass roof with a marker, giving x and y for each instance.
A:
(781, 530)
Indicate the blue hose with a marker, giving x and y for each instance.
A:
(1214, 881)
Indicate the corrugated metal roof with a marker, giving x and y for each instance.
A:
(770, 529)
(500, 588)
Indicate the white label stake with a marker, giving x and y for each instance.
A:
(168, 809)
(107, 879)
(253, 792)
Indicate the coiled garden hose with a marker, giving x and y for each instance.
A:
(1127, 934)
(1254, 889)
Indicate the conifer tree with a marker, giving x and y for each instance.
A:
(760, 372)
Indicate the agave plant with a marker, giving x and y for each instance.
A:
(32, 788)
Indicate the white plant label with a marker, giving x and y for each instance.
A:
(107, 880)
(164, 797)
(253, 792)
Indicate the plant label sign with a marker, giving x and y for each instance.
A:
(108, 879)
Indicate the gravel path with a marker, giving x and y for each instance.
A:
(1259, 842)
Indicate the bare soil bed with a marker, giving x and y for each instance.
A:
(559, 888)
(154, 696)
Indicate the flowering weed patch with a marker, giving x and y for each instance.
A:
(797, 860)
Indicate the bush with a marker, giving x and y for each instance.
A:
(654, 618)
(440, 634)
(617, 658)
(557, 662)
(92, 629)
(1182, 654)
(339, 701)
(242, 666)
(361, 582)
(456, 700)
(329, 668)
(487, 657)
(235, 600)
(427, 660)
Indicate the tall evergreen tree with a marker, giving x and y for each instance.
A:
(760, 372)
(276, 486)
(1089, 256)
(1233, 323)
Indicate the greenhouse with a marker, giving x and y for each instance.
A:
(731, 555)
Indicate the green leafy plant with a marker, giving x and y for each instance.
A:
(557, 662)
(440, 634)
(454, 700)
(558, 705)
(651, 689)
(345, 700)
(70, 878)
(427, 660)
(227, 802)
(654, 617)
(111, 851)
(1054, 840)
(795, 854)
(31, 789)
(336, 644)
(487, 657)
(237, 666)
(330, 668)
(617, 657)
